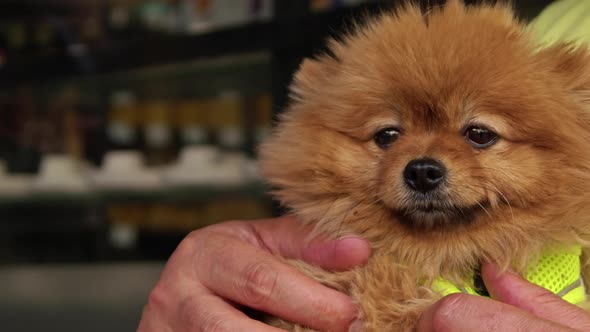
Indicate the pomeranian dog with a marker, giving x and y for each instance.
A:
(446, 139)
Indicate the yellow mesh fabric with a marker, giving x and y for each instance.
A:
(445, 288)
(557, 271)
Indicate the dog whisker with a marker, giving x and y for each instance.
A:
(486, 211)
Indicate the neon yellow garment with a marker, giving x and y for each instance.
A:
(563, 20)
(559, 272)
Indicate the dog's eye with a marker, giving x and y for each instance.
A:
(384, 137)
(480, 137)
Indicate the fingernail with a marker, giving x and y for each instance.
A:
(357, 326)
(351, 242)
(492, 270)
(355, 248)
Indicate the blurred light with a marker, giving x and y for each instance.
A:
(123, 236)
(119, 17)
(78, 50)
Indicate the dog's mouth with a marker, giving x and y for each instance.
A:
(432, 215)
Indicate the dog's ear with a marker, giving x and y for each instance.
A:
(572, 64)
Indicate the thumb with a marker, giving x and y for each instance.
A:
(512, 289)
(290, 238)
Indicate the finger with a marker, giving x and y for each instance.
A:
(289, 238)
(151, 321)
(468, 313)
(210, 313)
(255, 278)
(193, 309)
(512, 289)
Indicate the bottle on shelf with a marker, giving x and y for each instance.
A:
(191, 121)
(226, 118)
(122, 121)
(158, 133)
(62, 166)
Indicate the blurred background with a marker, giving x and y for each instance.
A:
(124, 125)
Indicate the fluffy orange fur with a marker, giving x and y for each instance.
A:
(431, 75)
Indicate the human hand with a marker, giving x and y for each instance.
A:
(234, 263)
(517, 305)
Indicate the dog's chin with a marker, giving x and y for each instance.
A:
(430, 218)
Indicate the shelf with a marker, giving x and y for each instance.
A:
(248, 74)
(141, 49)
(170, 194)
(295, 29)
(188, 193)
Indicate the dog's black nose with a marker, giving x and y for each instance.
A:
(424, 175)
